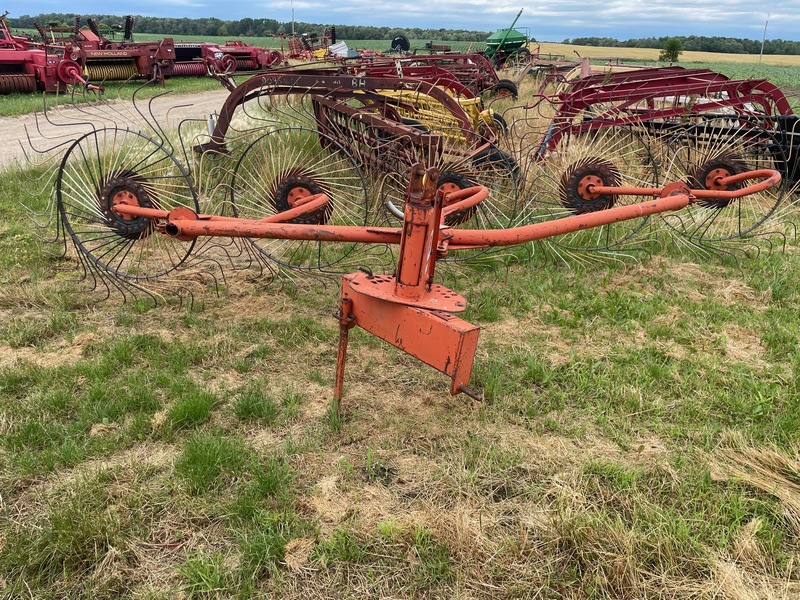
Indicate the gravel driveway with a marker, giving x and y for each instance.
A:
(35, 131)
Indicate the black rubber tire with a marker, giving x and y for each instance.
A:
(497, 158)
(400, 43)
(505, 86)
(415, 124)
(500, 124)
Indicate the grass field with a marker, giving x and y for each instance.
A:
(639, 438)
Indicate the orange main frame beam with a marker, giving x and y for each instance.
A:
(186, 225)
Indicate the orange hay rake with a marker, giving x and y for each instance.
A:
(295, 176)
(407, 309)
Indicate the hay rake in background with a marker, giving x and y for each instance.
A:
(385, 123)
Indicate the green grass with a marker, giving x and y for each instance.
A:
(638, 439)
(253, 404)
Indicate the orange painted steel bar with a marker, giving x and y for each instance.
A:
(675, 197)
(305, 205)
(284, 231)
(461, 200)
(769, 178)
(346, 322)
(421, 221)
(540, 231)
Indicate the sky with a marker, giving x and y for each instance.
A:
(551, 21)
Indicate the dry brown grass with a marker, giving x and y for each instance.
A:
(651, 54)
(770, 470)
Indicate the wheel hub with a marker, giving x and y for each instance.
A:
(579, 182)
(125, 188)
(708, 175)
(452, 181)
(290, 192)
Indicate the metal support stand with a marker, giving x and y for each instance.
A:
(407, 309)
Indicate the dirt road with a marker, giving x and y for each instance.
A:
(24, 135)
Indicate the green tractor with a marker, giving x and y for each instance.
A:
(508, 47)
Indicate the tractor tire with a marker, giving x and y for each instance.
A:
(401, 44)
(504, 88)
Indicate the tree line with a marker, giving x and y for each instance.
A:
(249, 27)
(269, 27)
(696, 43)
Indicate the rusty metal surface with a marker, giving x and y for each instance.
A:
(437, 338)
(301, 83)
(407, 309)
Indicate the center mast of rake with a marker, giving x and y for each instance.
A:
(408, 309)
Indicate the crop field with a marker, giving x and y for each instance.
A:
(639, 435)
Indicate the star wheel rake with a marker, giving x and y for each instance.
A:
(284, 169)
(110, 167)
(460, 166)
(703, 155)
(562, 177)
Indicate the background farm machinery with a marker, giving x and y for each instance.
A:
(102, 59)
(656, 124)
(195, 58)
(508, 47)
(26, 66)
(69, 55)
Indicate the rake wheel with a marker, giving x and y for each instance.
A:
(277, 170)
(108, 167)
(289, 189)
(705, 152)
(459, 169)
(559, 182)
(518, 58)
(125, 188)
(707, 176)
(578, 179)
